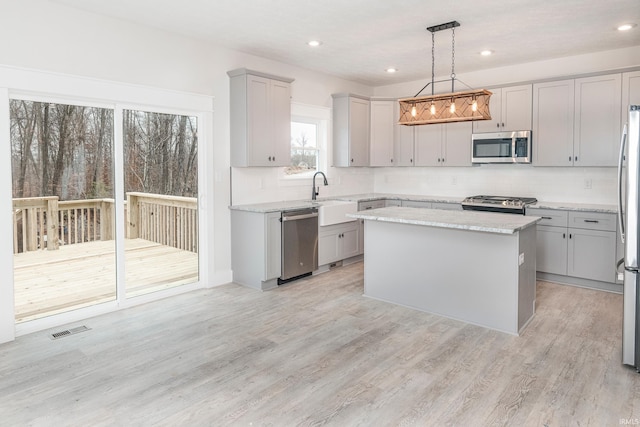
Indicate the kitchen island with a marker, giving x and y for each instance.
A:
(477, 267)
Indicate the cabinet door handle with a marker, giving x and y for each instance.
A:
(569, 158)
(368, 207)
(269, 158)
(443, 160)
(438, 159)
(575, 158)
(274, 158)
(592, 221)
(564, 235)
(410, 160)
(351, 160)
(546, 217)
(570, 236)
(498, 125)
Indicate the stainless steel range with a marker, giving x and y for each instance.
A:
(504, 204)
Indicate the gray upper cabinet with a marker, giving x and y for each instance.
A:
(351, 115)
(577, 122)
(381, 138)
(403, 141)
(443, 144)
(428, 144)
(260, 119)
(510, 109)
(597, 120)
(553, 106)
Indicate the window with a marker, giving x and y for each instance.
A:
(309, 141)
(304, 146)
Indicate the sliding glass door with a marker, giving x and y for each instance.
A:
(161, 187)
(63, 207)
(64, 229)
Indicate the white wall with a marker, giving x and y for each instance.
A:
(549, 184)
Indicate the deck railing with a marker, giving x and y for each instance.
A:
(46, 223)
(168, 220)
(34, 218)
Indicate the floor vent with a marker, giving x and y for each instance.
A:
(67, 332)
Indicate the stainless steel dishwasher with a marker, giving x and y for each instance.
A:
(299, 243)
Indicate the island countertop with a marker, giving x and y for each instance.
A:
(488, 222)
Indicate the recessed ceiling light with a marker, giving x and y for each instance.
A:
(486, 52)
(391, 70)
(626, 27)
(314, 43)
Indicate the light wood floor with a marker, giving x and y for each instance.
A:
(316, 352)
(75, 276)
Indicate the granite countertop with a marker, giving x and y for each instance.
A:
(275, 206)
(488, 222)
(365, 197)
(574, 207)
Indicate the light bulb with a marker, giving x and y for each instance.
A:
(474, 106)
(452, 107)
(432, 109)
(414, 112)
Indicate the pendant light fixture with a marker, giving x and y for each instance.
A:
(447, 107)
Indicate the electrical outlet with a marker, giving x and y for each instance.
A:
(587, 183)
(454, 180)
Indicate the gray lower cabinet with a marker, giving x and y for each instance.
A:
(551, 250)
(576, 244)
(372, 204)
(592, 254)
(338, 242)
(256, 245)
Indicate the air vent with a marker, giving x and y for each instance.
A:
(67, 332)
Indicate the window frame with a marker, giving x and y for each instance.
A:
(321, 117)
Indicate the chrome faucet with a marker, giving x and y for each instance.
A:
(314, 190)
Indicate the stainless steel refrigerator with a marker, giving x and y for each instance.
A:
(629, 218)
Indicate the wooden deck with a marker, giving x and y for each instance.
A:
(75, 276)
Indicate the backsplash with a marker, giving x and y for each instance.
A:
(261, 185)
(577, 185)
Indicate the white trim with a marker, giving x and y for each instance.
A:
(7, 308)
(119, 197)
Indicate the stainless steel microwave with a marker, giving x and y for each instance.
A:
(501, 147)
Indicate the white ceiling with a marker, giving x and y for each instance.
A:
(362, 38)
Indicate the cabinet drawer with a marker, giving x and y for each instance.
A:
(593, 221)
(552, 217)
(372, 204)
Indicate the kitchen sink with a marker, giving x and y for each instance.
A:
(335, 211)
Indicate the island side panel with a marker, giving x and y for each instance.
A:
(527, 277)
(466, 275)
